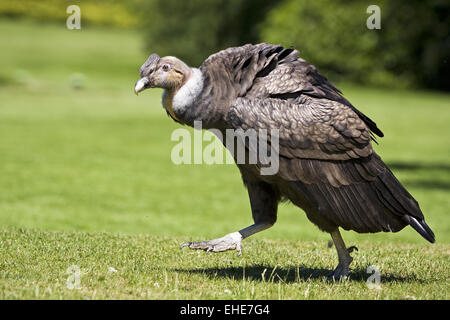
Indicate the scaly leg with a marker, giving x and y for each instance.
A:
(343, 268)
(231, 241)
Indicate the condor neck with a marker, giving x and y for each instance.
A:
(181, 101)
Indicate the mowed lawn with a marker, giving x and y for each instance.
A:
(86, 180)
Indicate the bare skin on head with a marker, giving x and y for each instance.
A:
(169, 73)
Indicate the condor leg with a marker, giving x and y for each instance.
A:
(343, 268)
(264, 203)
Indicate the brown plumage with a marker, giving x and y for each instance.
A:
(327, 165)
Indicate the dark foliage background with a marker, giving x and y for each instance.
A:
(411, 50)
(197, 28)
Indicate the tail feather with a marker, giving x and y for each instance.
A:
(402, 201)
(421, 227)
(371, 199)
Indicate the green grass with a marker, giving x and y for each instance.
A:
(86, 179)
(35, 265)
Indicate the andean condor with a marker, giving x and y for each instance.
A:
(327, 165)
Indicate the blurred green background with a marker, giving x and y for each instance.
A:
(79, 151)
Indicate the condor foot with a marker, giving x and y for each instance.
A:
(231, 241)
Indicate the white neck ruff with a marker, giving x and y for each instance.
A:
(186, 95)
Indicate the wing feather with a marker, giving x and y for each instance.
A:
(325, 149)
(312, 130)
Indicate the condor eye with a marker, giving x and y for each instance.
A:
(166, 67)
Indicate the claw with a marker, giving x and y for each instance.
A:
(339, 274)
(230, 241)
(352, 248)
(185, 244)
(336, 278)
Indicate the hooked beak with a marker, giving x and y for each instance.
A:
(141, 85)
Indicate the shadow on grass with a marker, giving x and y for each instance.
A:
(428, 184)
(290, 274)
(422, 183)
(398, 165)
